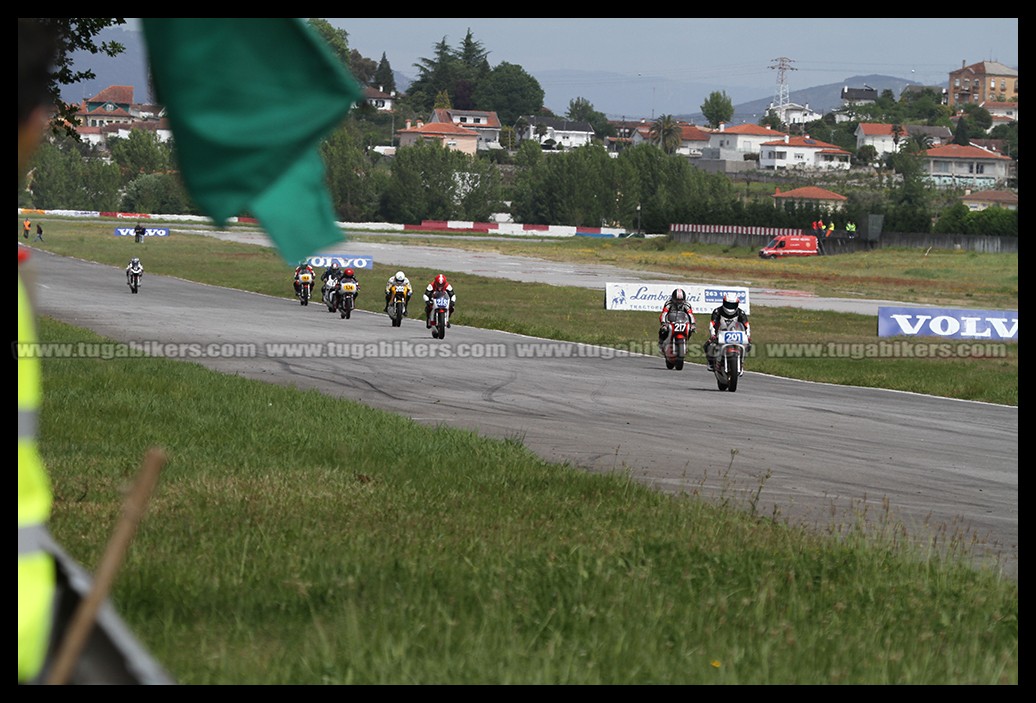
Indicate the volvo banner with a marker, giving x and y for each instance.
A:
(652, 296)
(148, 231)
(350, 261)
(993, 325)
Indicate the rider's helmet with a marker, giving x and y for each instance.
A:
(400, 277)
(349, 273)
(334, 266)
(440, 282)
(134, 262)
(730, 305)
(678, 296)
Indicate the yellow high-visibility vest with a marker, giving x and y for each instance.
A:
(35, 565)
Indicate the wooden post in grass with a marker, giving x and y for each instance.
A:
(83, 619)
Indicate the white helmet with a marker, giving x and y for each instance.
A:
(730, 305)
(400, 276)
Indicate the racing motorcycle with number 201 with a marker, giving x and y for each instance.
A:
(731, 345)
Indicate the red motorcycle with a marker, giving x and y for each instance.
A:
(674, 346)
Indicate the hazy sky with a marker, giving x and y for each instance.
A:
(671, 65)
(731, 51)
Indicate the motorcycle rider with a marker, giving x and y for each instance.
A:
(730, 309)
(348, 275)
(332, 274)
(677, 301)
(399, 279)
(437, 288)
(302, 267)
(136, 267)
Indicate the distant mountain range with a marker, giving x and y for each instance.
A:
(617, 96)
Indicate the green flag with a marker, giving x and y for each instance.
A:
(249, 101)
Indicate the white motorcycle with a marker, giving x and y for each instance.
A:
(730, 348)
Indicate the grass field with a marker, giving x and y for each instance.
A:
(280, 550)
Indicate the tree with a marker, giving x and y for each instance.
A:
(162, 193)
(61, 178)
(510, 92)
(582, 110)
(771, 119)
(337, 39)
(384, 76)
(348, 171)
(978, 117)
(435, 75)
(442, 101)
(361, 68)
(717, 109)
(666, 133)
(75, 34)
(867, 155)
(962, 135)
(140, 153)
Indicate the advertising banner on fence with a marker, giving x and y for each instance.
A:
(998, 325)
(652, 296)
(344, 260)
(148, 232)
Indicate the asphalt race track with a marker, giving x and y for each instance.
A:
(832, 451)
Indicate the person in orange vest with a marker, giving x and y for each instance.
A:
(26, 226)
(830, 228)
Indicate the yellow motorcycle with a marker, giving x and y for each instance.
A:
(398, 295)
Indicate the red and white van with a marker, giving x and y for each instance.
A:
(790, 245)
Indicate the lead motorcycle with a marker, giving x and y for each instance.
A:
(730, 348)
(134, 280)
(674, 347)
(439, 316)
(305, 287)
(399, 293)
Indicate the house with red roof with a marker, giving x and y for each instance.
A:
(734, 142)
(485, 124)
(112, 105)
(882, 137)
(1001, 112)
(990, 198)
(692, 141)
(802, 153)
(379, 99)
(450, 135)
(825, 200)
(958, 166)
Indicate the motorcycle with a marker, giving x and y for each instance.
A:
(674, 347)
(344, 297)
(305, 288)
(134, 281)
(729, 361)
(439, 316)
(397, 304)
